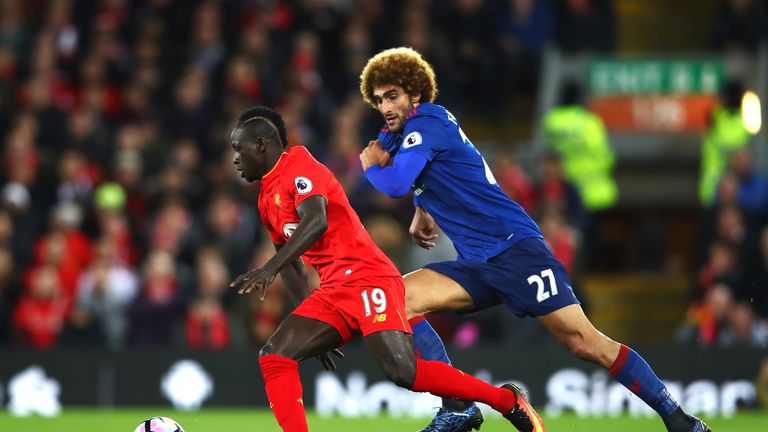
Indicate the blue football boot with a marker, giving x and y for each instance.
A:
(680, 421)
(699, 426)
(456, 421)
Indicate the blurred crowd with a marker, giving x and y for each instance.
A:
(122, 219)
(730, 306)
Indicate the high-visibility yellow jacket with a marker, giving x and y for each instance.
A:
(579, 136)
(726, 134)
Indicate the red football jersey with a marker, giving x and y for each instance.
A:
(345, 252)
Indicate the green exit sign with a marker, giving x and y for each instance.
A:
(655, 76)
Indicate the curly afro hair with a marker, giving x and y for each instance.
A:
(402, 67)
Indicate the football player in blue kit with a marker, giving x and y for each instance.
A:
(502, 257)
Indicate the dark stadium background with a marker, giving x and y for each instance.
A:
(116, 172)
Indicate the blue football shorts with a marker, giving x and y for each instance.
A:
(527, 278)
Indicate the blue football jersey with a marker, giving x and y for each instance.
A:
(457, 187)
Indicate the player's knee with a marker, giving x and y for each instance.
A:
(270, 348)
(267, 349)
(403, 375)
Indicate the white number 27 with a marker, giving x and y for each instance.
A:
(377, 297)
(541, 292)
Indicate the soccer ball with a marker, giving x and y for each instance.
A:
(159, 424)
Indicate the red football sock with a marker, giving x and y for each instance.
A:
(444, 380)
(415, 320)
(281, 378)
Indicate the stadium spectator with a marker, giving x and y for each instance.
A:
(740, 25)
(263, 317)
(128, 168)
(9, 291)
(40, 313)
(755, 287)
(55, 250)
(242, 80)
(212, 275)
(513, 179)
(155, 315)
(207, 325)
(752, 185)
(192, 113)
(104, 292)
(560, 237)
(554, 193)
(730, 228)
(208, 50)
(743, 328)
(525, 27)
(8, 73)
(725, 133)
(14, 30)
(475, 53)
(7, 231)
(211, 323)
(721, 268)
(231, 226)
(15, 203)
(112, 222)
(21, 160)
(173, 229)
(585, 26)
(66, 219)
(705, 320)
(77, 178)
(87, 132)
(342, 156)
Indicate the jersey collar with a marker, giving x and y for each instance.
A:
(283, 154)
(410, 114)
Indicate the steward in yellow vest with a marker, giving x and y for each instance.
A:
(726, 133)
(579, 136)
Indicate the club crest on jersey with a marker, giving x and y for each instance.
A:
(277, 200)
(303, 185)
(289, 228)
(413, 139)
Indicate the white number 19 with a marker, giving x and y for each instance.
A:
(377, 297)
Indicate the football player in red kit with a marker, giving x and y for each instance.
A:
(308, 216)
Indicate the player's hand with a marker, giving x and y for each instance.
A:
(327, 361)
(422, 229)
(374, 154)
(259, 279)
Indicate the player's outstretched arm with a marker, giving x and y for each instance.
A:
(314, 222)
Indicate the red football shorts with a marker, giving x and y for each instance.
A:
(367, 306)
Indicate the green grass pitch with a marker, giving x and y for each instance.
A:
(242, 420)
